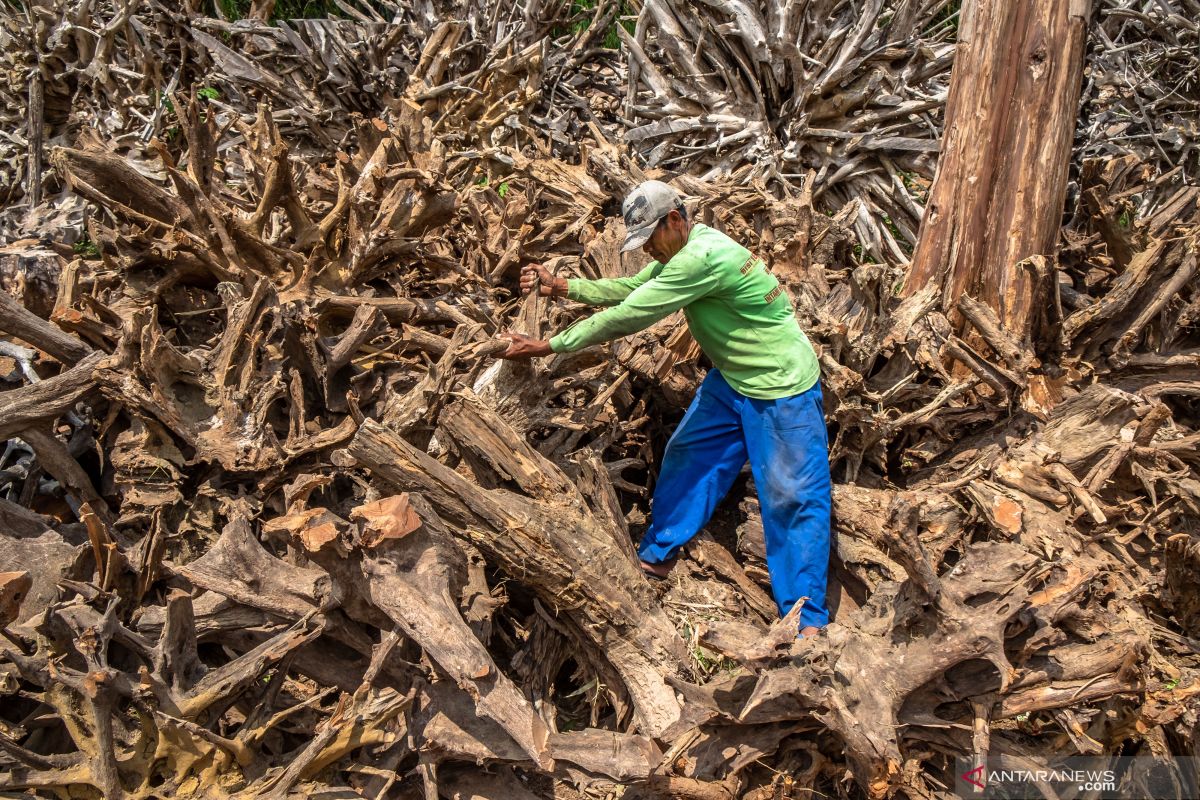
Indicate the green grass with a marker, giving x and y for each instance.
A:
(501, 188)
(903, 243)
(580, 8)
(284, 9)
(706, 661)
(861, 256)
(86, 248)
(951, 13)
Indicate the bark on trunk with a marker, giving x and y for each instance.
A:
(998, 195)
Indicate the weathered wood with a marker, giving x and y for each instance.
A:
(1182, 562)
(239, 568)
(38, 403)
(1014, 352)
(405, 565)
(18, 321)
(109, 179)
(575, 565)
(14, 587)
(1001, 181)
(56, 459)
(860, 711)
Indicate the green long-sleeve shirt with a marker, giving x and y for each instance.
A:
(736, 311)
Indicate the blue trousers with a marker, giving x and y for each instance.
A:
(788, 449)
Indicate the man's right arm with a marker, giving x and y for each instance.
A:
(607, 291)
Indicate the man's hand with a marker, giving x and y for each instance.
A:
(525, 346)
(547, 285)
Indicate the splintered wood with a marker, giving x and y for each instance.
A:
(275, 522)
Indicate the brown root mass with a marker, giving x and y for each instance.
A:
(276, 522)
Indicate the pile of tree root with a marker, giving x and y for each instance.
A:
(277, 523)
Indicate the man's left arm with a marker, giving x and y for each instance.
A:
(682, 281)
(607, 291)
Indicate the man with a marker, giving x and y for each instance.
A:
(762, 401)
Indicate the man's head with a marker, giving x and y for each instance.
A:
(655, 220)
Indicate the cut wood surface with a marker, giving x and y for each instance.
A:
(276, 522)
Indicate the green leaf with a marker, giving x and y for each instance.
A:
(86, 248)
(502, 189)
(208, 93)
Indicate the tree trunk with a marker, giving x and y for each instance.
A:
(1001, 182)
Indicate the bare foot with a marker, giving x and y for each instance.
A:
(659, 571)
(809, 631)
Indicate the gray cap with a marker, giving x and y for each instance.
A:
(648, 203)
